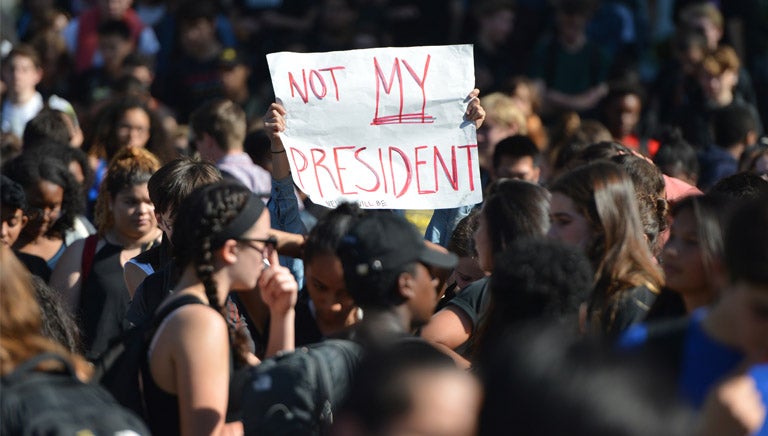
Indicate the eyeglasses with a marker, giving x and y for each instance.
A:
(269, 242)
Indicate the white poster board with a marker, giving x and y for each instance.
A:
(384, 127)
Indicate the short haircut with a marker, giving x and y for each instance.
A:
(47, 126)
(224, 120)
(676, 156)
(741, 186)
(746, 243)
(701, 9)
(502, 110)
(722, 59)
(12, 194)
(27, 51)
(731, 124)
(174, 181)
(487, 8)
(537, 278)
(117, 28)
(191, 11)
(516, 147)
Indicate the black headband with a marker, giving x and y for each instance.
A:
(242, 222)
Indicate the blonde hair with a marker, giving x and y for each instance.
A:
(720, 60)
(130, 167)
(502, 110)
(21, 336)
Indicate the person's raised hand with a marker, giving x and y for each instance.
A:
(274, 120)
(474, 111)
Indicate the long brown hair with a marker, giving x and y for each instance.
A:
(21, 335)
(604, 194)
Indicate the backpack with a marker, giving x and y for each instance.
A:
(58, 403)
(296, 393)
(118, 369)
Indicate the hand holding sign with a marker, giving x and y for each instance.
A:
(385, 127)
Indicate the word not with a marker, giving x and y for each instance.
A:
(316, 83)
(391, 170)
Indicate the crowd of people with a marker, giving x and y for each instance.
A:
(613, 280)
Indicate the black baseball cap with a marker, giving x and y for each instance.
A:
(385, 243)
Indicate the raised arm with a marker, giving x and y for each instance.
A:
(274, 123)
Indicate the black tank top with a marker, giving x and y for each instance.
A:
(163, 407)
(103, 301)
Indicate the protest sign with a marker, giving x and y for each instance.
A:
(384, 127)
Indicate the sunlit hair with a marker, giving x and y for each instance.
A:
(130, 167)
(175, 180)
(502, 110)
(21, 324)
(604, 194)
(224, 120)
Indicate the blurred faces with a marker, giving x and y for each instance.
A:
(623, 114)
(114, 50)
(133, 129)
(681, 257)
(517, 168)
(45, 201)
(114, 9)
(498, 26)
(197, 37)
(21, 75)
(718, 88)
(133, 212)
(334, 306)
(568, 224)
(13, 220)
(444, 402)
(423, 295)
(466, 272)
(749, 304)
(483, 244)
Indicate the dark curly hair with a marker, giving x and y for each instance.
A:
(330, 229)
(203, 214)
(12, 194)
(535, 279)
(30, 168)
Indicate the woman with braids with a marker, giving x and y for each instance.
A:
(221, 242)
(594, 208)
(90, 273)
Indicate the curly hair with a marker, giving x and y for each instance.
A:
(29, 169)
(104, 143)
(203, 214)
(330, 229)
(130, 167)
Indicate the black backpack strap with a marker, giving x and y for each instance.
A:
(23, 369)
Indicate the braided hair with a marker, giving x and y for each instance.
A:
(205, 213)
